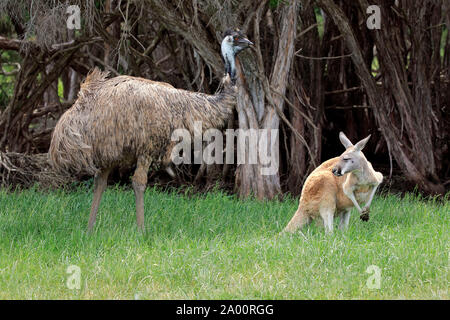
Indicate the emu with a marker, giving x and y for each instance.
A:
(125, 121)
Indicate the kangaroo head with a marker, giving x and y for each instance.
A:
(352, 159)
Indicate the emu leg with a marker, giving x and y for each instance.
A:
(139, 185)
(100, 182)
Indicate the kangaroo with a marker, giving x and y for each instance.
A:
(335, 187)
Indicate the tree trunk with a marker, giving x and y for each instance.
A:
(408, 130)
(260, 104)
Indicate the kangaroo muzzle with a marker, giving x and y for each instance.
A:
(337, 171)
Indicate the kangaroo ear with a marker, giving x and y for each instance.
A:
(361, 144)
(344, 140)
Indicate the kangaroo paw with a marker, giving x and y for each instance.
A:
(365, 214)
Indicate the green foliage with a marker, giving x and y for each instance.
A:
(274, 4)
(60, 89)
(216, 246)
(5, 24)
(320, 21)
(375, 68)
(443, 42)
(7, 82)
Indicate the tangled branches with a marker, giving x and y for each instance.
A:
(18, 169)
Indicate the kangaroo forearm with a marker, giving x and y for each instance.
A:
(351, 196)
(367, 205)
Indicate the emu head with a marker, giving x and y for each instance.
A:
(352, 159)
(234, 41)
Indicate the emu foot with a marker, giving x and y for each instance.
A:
(365, 214)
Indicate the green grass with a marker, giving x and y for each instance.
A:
(214, 246)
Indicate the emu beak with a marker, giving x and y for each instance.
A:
(245, 41)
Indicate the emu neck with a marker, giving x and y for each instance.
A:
(232, 67)
(211, 110)
(223, 102)
(229, 55)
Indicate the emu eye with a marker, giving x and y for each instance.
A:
(236, 38)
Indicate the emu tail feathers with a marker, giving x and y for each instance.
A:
(70, 148)
(69, 152)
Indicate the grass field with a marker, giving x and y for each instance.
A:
(215, 246)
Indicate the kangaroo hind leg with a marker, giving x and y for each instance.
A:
(345, 218)
(327, 215)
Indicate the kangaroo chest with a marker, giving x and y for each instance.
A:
(362, 193)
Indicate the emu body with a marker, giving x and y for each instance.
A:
(335, 187)
(126, 121)
(116, 121)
